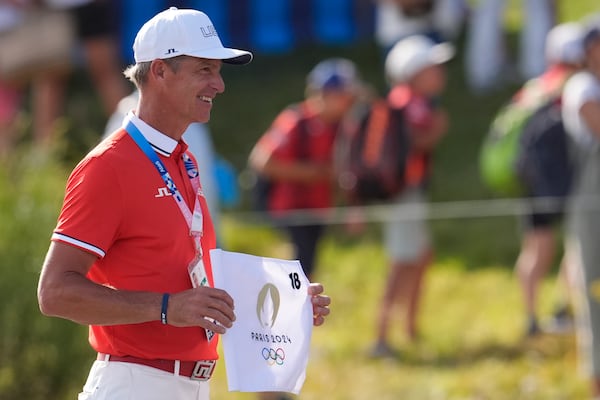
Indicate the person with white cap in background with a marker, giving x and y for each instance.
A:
(581, 116)
(417, 74)
(564, 57)
(134, 220)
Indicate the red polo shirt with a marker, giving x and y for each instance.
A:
(288, 141)
(117, 207)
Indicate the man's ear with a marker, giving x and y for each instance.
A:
(158, 69)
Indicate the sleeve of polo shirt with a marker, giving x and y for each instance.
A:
(92, 207)
(281, 138)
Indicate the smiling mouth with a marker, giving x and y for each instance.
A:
(206, 99)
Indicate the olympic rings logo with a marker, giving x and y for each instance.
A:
(272, 356)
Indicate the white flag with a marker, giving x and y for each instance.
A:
(267, 347)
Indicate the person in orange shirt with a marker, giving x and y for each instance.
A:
(134, 219)
(416, 72)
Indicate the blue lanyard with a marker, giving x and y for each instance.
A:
(194, 219)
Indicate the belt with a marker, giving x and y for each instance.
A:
(197, 370)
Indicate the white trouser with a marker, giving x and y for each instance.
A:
(109, 380)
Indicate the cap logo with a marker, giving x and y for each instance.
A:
(171, 51)
(208, 31)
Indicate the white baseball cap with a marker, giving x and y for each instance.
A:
(176, 32)
(564, 44)
(413, 54)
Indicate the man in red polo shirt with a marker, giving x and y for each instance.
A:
(296, 153)
(134, 220)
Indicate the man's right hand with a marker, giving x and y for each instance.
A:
(193, 307)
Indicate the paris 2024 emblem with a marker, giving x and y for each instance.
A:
(267, 305)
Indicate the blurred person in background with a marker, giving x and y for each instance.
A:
(296, 154)
(581, 116)
(564, 55)
(417, 74)
(440, 20)
(486, 61)
(96, 26)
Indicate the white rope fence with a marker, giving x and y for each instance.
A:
(463, 209)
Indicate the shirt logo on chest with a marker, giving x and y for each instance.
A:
(163, 192)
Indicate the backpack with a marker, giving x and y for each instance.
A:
(498, 157)
(544, 164)
(502, 150)
(261, 191)
(371, 157)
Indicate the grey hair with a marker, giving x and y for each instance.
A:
(138, 73)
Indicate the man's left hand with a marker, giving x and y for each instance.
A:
(320, 303)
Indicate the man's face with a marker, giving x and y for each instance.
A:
(192, 86)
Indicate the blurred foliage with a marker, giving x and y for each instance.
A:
(40, 358)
